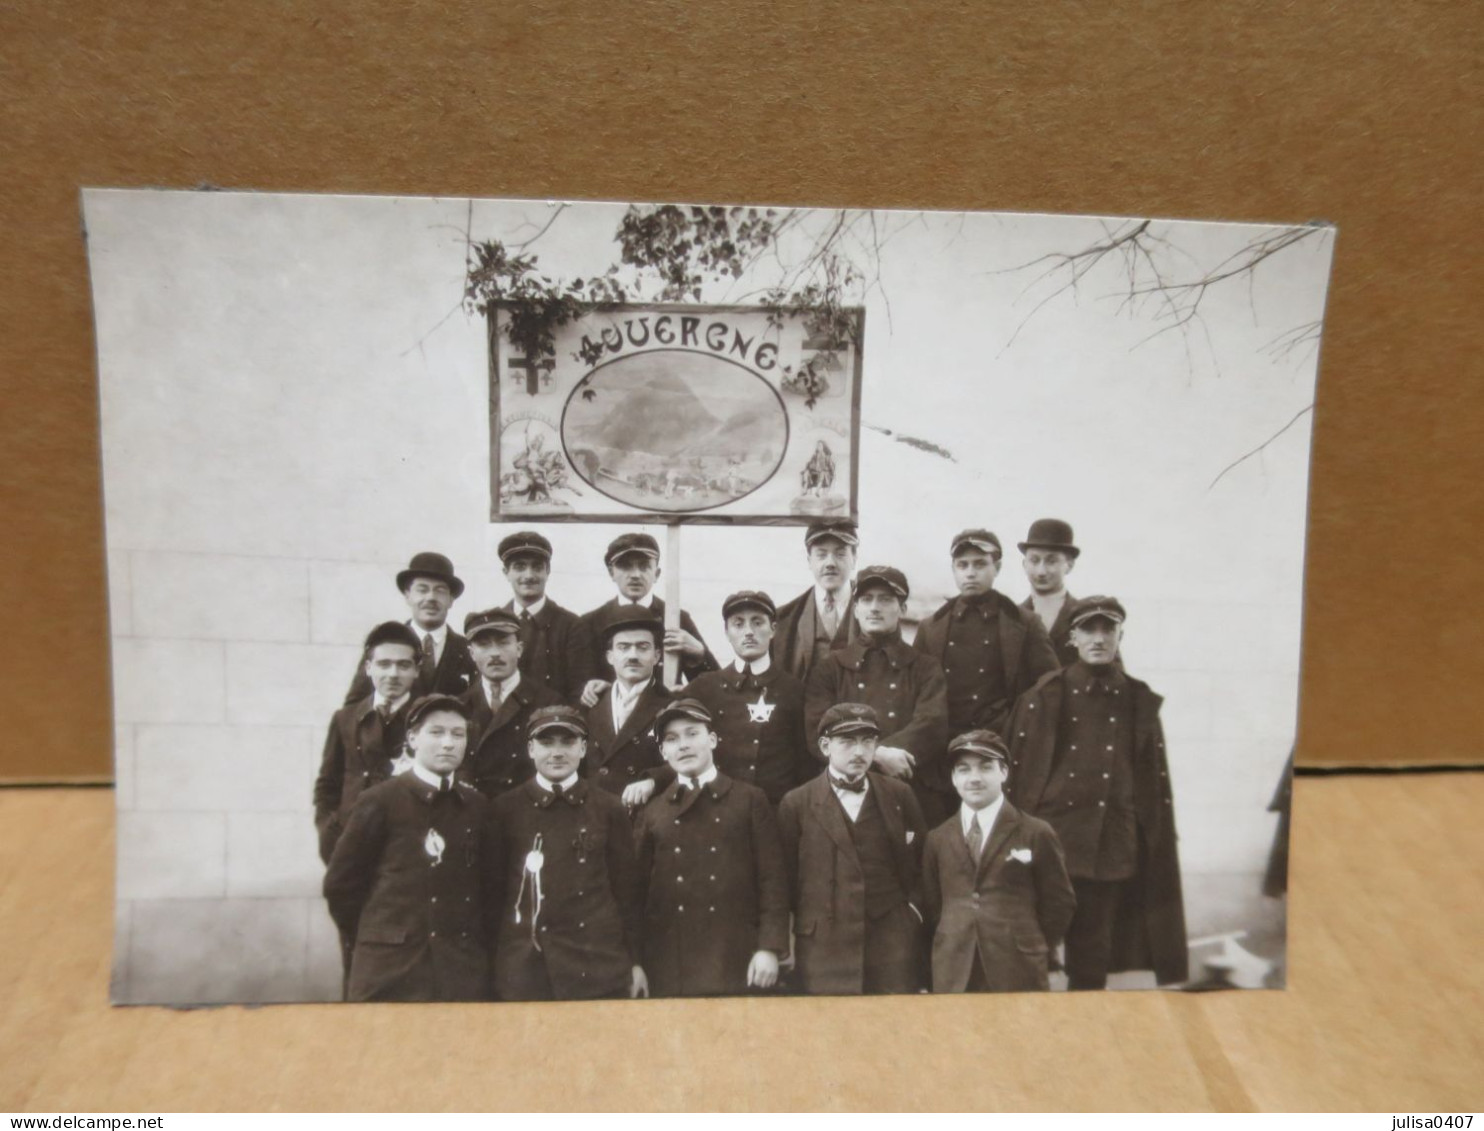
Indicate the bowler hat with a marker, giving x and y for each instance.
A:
(626, 617)
(893, 578)
(635, 543)
(426, 705)
(523, 542)
(680, 709)
(1089, 607)
(559, 717)
(985, 743)
(844, 531)
(1050, 534)
(429, 564)
(749, 599)
(490, 620)
(977, 537)
(849, 718)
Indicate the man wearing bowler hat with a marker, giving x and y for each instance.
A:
(430, 587)
(499, 702)
(623, 755)
(1048, 554)
(555, 647)
(822, 618)
(852, 841)
(1087, 755)
(633, 562)
(991, 650)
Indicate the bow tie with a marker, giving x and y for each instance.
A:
(857, 786)
(557, 793)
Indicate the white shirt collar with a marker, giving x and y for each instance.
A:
(396, 705)
(430, 777)
(534, 609)
(566, 783)
(647, 603)
(507, 685)
(759, 666)
(626, 694)
(836, 779)
(702, 779)
(439, 634)
(842, 598)
(987, 816)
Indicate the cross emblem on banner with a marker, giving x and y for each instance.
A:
(537, 372)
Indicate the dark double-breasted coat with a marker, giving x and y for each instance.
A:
(1011, 907)
(585, 939)
(453, 675)
(1060, 632)
(358, 753)
(617, 759)
(1149, 925)
(1026, 654)
(556, 650)
(594, 621)
(715, 887)
(826, 882)
(418, 910)
(497, 759)
(759, 720)
(793, 635)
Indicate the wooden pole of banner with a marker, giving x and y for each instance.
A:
(672, 600)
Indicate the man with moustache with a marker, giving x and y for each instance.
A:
(623, 754)
(430, 587)
(756, 706)
(499, 704)
(822, 619)
(555, 647)
(1048, 555)
(905, 688)
(1087, 755)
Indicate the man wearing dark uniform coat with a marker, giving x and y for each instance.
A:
(367, 737)
(430, 587)
(570, 919)
(414, 879)
(499, 703)
(1087, 755)
(555, 647)
(852, 841)
(756, 706)
(623, 754)
(905, 688)
(1048, 555)
(711, 867)
(633, 561)
(995, 881)
(990, 649)
(821, 619)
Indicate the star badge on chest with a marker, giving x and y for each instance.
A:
(762, 710)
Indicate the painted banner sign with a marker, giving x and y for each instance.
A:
(676, 414)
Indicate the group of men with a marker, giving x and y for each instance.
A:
(525, 811)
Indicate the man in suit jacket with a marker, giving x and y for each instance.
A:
(758, 707)
(821, 619)
(995, 882)
(711, 869)
(366, 737)
(555, 647)
(430, 587)
(990, 649)
(499, 704)
(905, 688)
(623, 754)
(1048, 555)
(1088, 756)
(852, 841)
(413, 882)
(633, 561)
(570, 921)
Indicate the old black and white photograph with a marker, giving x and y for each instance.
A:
(522, 600)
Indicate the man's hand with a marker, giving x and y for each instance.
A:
(593, 691)
(762, 971)
(895, 761)
(638, 793)
(638, 983)
(678, 640)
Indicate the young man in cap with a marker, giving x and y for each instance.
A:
(1048, 555)
(413, 882)
(711, 869)
(991, 650)
(555, 647)
(995, 882)
(633, 561)
(821, 619)
(571, 918)
(499, 703)
(758, 707)
(366, 737)
(852, 841)
(624, 756)
(430, 587)
(905, 688)
(1087, 754)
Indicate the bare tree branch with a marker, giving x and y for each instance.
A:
(1262, 446)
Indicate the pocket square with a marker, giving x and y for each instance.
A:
(911, 836)
(1021, 854)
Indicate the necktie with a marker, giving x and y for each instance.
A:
(857, 786)
(831, 617)
(426, 665)
(445, 786)
(690, 782)
(557, 791)
(975, 837)
(495, 697)
(385, 711)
